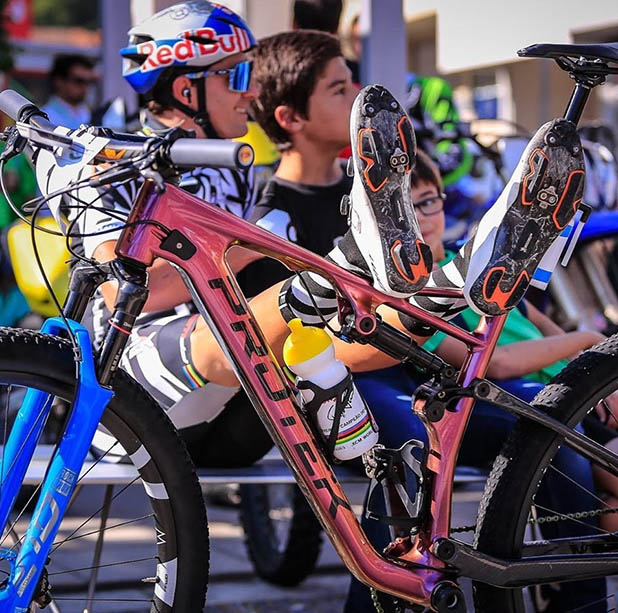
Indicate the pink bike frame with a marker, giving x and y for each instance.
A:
(213, 231)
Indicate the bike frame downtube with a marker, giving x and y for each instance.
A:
(89, 404)
(211, 231)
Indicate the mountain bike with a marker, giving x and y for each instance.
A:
(422, 565)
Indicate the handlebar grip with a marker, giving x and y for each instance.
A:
(191, 152)
(14, 104)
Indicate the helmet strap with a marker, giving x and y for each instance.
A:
(199, 116)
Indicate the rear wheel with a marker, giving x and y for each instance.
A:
(282, 535)
(539, 490)
(141, 545)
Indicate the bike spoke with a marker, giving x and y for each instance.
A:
(75, 570)
(56, 547)
(607, 599)
(108, 528)
(579, 485)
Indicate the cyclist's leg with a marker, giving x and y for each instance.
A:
(495, 266)
(158, 355)
(382, 218)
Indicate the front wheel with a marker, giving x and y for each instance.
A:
(141, 546)
(540, 490)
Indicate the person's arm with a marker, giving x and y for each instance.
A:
(166, 287)
(525, 357)
(542, 322)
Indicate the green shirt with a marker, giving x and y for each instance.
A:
(517, 328)
(24, 190)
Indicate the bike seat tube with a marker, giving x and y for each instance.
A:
(577, 102)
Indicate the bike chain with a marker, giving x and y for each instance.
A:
(378, 605)
(551, 518)
(540, 520)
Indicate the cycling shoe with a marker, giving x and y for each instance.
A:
(382, 217)
(538, 202)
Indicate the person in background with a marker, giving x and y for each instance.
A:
(71, 77)
(531, 350)
(305, 111)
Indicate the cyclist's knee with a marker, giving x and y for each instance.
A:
(309, 297)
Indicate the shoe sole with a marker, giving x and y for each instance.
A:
(536, 205)
(384, 153)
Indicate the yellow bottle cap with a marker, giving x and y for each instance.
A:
(304, 343)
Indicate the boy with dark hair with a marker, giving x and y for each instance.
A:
(305, 97)
(71, 77)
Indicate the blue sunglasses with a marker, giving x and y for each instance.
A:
(239, 76)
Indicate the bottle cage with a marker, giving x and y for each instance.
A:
(341, 393)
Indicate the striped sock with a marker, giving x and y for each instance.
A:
(312, 298)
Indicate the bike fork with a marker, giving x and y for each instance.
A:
(91, 399)
(59, 483)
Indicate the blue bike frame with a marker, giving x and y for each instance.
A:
(90, 401)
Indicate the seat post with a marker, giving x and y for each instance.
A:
(577, 102)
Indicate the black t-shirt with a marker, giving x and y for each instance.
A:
(308, 215)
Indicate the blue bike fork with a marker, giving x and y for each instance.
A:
(90, 401)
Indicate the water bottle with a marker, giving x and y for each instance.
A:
(328, 394)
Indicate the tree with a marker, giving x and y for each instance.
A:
(84, 13)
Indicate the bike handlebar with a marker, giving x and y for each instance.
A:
(14, 105)
(183, 152)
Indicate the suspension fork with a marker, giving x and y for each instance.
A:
(130, 300)
(91, 398)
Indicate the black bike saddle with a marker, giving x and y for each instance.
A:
(606, 52)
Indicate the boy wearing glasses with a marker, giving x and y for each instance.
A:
(190, 66)
(531, 350)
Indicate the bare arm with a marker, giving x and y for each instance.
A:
(525, 357)
(167, 289)
(542, 322)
